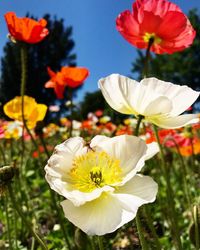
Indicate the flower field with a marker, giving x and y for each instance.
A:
(97, 182)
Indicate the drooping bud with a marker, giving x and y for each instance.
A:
(6, 175)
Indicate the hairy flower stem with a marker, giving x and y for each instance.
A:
(184, 172)
(151, 227)
(170, 196)
(8, 223)
(146, 63)
(23, 53)
(196, 225)
(71, 111)
(60, 219)
(23, 217)
(100, 243)
(54, 200)
(139, 120)
(140, 232)
(138, 221)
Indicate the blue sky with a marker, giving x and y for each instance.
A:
(99, 46)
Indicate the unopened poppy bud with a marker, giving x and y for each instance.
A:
(6, 175)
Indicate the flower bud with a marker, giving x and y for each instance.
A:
(6, 175)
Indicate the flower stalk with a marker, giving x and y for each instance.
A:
(100, 243)
(23, 217)
(170, 196)
(147, 57)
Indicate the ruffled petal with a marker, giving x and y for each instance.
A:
(142, 188)
(182, 97)
(176, 122)
(130, 150)
(118, 91)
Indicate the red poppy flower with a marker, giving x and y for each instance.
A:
(56, 82)
(158, 20)
(26, 29)
(74, 76)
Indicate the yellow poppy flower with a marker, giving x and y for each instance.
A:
(33, 112)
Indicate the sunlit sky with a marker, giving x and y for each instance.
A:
(98, 45)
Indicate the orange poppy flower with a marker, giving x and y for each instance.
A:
(74, 76)
(68, 77)
(158, 20)
(56, 82)
(26, 29)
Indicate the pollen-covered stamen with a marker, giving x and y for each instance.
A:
(94, 170)
(96, 176)
(151, 36)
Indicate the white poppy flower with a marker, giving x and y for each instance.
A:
(160, 102)
(100, 180)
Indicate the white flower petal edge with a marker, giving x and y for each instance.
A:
(112, 210)
(176, 122)
(152, 149)
(158, 101)
(182, 97)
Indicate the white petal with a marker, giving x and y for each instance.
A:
(130, 150)
(118, 91)
(182, 97)
(96, 217)
(160, 105)
(61, 160)
(177, 122)
(152, 149)
(98, 139)
(142, 187)
(111, 211)
(101, 216)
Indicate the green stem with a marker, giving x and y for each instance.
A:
(3, 155)
(140, 232)
(146, 63)
(33, 243)
(26, 222)
(100, 243)
(170, 196)
(23, 53)
(60, 219)
(183, 169)
(136, 132)
(196, 226)
(92, 243)
(53, 198)
(151, 227)
(138, 221)
(71, 111)
(8, 223)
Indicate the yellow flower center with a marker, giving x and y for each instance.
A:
(94, 170)
(147, 36)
